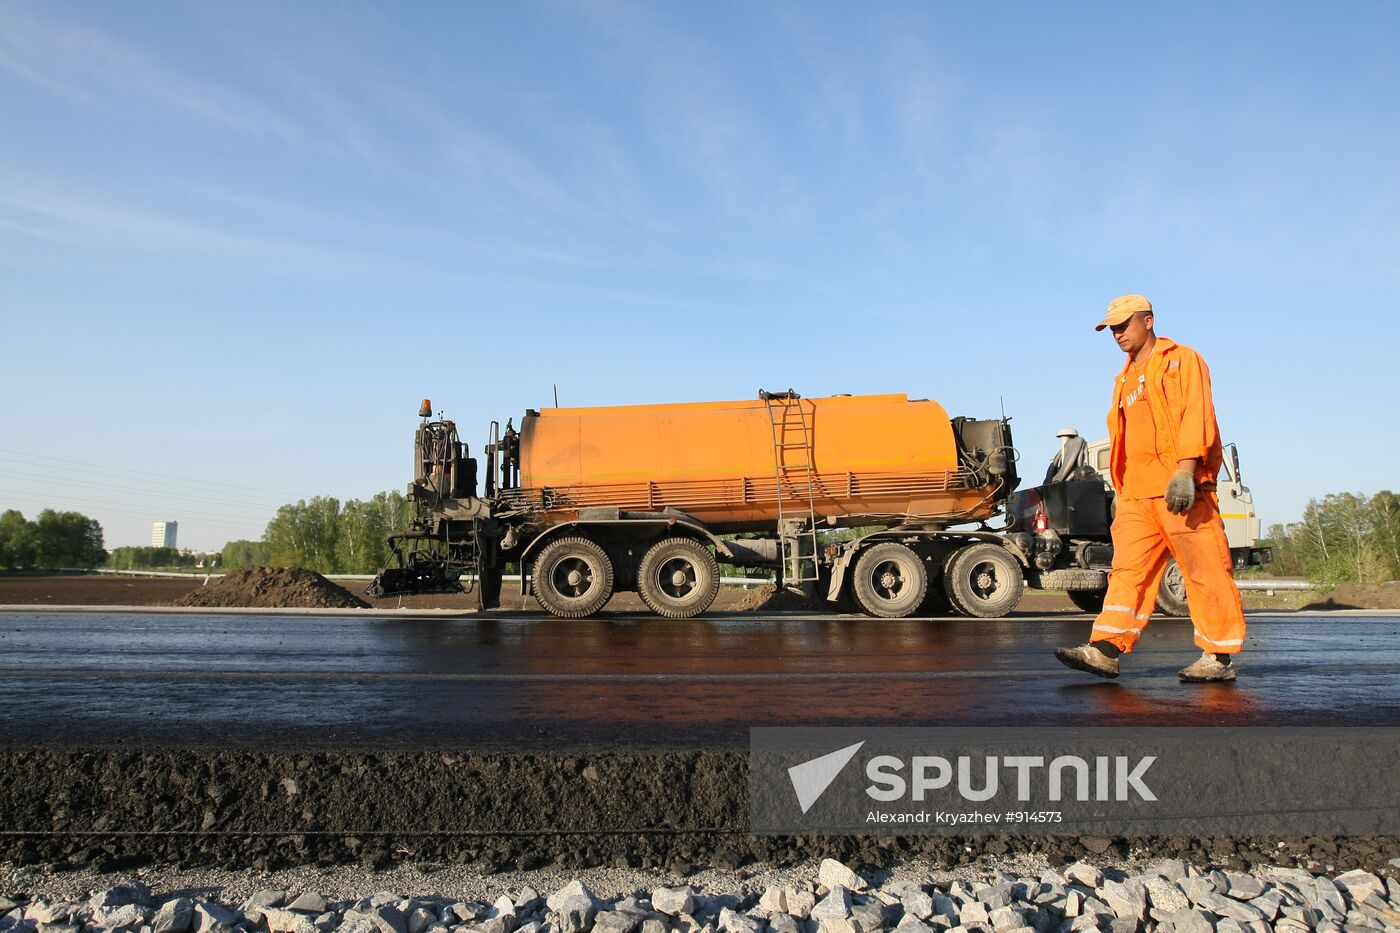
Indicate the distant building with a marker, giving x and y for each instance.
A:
(163, 534)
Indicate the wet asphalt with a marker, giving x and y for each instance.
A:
(531, 682)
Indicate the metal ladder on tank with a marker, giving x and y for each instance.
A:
(792, 458)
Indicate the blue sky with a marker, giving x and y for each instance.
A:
(239, 242)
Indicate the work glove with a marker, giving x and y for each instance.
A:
(1181, 492)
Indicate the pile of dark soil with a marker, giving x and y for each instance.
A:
(274, 588)
(1361, 596)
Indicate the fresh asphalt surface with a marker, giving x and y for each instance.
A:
(530, 682)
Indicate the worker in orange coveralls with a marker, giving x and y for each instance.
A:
(1164, 454)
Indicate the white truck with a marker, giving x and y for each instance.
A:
(1062, 526)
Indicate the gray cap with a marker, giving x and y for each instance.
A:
(1067, 432)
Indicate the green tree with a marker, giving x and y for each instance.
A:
(304, 535)
(67, 539)
(1341, 538)
(322, 535)
(395, 510)
(1385, 511)
(51, 550)
(148, 558)
(1288, 551)
(17, 540)
(283, 537)
(1342, 525)
(355, 536)
(238, 555)
(323, 531)
(388, 512)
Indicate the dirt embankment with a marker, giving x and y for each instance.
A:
(92, 590)
(117, 808)
(1360, 596)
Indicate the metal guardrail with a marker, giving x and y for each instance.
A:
(1257, 583)
(515, 578)
(1249, 583)
(157, 573)
(366, 577)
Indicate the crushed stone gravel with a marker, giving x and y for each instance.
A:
(1020, 893)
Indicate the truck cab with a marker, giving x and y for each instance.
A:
(1242, 526)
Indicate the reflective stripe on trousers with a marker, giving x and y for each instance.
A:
(1145, 534)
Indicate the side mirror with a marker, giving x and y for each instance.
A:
(1235, 463)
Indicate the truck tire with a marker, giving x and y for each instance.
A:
(890, 581)
(678, 578)
(943, 576)
(1087, 600)
(572, 578)
(984, 581)
(1171, 596)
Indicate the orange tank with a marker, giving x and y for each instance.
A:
(854, 459)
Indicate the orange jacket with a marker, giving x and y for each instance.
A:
(1178, 391)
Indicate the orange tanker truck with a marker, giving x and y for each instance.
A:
(589, 501)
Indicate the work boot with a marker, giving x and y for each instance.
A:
(1206, 669)
(1088, 658)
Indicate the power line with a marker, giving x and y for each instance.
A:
(104, 506)
(156, 485)
(159, 496)
(194, 479)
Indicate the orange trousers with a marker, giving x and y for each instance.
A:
(1144, 533)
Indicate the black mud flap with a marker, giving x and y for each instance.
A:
(488, 589)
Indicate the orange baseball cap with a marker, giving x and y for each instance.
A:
(1122, 308)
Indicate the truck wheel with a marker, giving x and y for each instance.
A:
(678, 578)
(890, 581)
(984, 580)
(953, 608)
(1087, 600)
(572, 578)
(1171, 597)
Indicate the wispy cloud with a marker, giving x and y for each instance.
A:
(98, 69)
(494, 179)
(60, 211)
(835, 67)
(556, 178)
(697, 116)
(217, 221)
(1018, 171)
(28, 229)
(923, 98)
